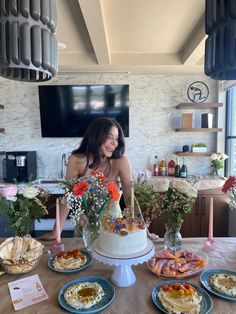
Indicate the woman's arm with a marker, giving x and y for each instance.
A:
(74, 169)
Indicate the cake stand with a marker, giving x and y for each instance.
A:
(123, 275)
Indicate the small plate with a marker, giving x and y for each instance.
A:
(205, 280)
(106, 300)
(205, 305)
(88, 262)
(183, 275)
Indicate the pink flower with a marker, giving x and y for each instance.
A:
(9, 192)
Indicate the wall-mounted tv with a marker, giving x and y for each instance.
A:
(67, 110)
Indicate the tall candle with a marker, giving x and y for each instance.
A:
(132, 199)
(210, 229)
(58, 225)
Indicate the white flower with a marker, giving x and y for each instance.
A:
(184, 187)
(214, 156)
(11, 198)
(30, 191)
(223, 156)
(161, 185)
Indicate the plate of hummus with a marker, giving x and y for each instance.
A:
(70, 261)
(221, 282)
(177, 296)
(86, 295)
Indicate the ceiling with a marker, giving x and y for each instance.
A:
(137, 36)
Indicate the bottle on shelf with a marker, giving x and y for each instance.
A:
(171, 168)
(155, 167)
(184, 170)
(162, 168)
(177, 169)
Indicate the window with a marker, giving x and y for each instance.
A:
(230, 139)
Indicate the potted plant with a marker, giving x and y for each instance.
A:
(199, 148)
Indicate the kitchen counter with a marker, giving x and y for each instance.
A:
(199, 182)
(53, 186)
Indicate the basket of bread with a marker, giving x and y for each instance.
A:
(19, 255)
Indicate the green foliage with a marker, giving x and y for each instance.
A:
(170, 206)
(199, 145)
(217, 164)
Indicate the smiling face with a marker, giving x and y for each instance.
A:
(110, 144)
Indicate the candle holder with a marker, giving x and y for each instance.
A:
(58, 247)
(209, 244)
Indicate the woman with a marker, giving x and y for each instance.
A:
(101, 149)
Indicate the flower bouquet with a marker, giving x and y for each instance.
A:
(230, 188)
(22, 205)
(168, 200)
(87, 197)
(217, 162)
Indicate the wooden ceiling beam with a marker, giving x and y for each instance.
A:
(194, 47)
(94, 19)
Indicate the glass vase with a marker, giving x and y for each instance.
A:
(87, 231)
(173, 238)
(23, 230)
(90, 233)
(215, 172)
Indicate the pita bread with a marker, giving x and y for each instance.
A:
(17, 248)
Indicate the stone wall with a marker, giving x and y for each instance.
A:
(153, 119)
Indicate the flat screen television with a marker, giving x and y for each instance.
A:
(67, 110)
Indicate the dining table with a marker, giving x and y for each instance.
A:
(134, 299)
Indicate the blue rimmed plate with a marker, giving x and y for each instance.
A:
(88, 262)
(205, 305)
(106, 300)
(205, 280)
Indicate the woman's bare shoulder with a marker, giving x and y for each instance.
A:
(76, 166)
(77, 159)
(121, 162)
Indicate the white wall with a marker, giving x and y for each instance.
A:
(153, 118)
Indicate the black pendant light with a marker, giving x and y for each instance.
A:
(220, 48)
(28, 48)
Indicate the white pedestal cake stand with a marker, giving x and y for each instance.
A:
(123, 275)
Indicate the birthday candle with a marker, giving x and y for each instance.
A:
(132, 199)
(58, 227)
(210, 229)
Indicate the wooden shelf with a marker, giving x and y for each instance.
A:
(199, 130)
(193, 154)
(1, 107)
(199, 106)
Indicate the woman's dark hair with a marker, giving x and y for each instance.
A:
(95, 135)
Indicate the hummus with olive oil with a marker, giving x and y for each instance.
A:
(69, 260)
(224, 283)
(175, 302)
(84, 295)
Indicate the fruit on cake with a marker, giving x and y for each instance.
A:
(122, 236)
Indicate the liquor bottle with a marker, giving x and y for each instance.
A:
(171, 168)
(155, 167)
(184, 170)
(162, 168)
(177, 169)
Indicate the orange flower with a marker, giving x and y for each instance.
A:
(113, 191)
(80, 188)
